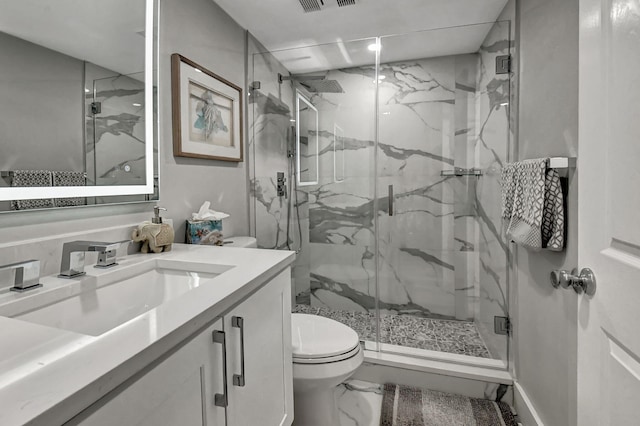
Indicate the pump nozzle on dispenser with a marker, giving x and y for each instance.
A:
(156, 214)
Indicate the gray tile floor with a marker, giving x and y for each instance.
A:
(458, 337)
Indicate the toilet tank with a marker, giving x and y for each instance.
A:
(246, 242)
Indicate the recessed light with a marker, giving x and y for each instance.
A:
(374, 47)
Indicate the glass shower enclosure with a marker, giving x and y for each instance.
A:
(390, 150)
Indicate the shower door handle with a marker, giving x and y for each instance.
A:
(390, 200)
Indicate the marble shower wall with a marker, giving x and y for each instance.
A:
(114, 137)
(428, 263)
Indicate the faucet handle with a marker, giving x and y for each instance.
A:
(27, 274)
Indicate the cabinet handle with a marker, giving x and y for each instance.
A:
(391, 200)
(220, 399)
(238, 322)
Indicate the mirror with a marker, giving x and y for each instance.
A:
(77, 103)
(306, 141)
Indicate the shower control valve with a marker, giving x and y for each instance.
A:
(281, 187)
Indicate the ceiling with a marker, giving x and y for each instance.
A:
(115, 40)
(283, 24)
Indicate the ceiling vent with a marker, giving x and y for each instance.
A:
(310, 5)
(318, 5)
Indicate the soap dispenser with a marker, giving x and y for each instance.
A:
(155, 236)
(156, 214)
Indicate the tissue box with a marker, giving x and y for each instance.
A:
(198, 231)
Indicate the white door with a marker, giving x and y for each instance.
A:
(609, 213)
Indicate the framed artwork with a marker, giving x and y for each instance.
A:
(207, 113)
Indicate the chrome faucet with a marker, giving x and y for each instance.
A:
(27, 275)
(72, 264)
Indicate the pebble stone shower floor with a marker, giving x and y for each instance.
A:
(457, 337)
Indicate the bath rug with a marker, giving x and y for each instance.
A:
(408, 406)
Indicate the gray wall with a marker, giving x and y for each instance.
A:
(41, 105)
(201, 31)
(546, 329)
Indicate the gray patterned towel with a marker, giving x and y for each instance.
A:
(553, 213)
(532, 205)
(67, 178)
(31, 178)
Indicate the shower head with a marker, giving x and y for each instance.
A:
(313, 83)
(322, 86)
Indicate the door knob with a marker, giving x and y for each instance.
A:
(584, 282)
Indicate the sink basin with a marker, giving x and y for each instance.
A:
(109, 299)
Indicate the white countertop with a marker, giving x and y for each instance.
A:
(48, 375)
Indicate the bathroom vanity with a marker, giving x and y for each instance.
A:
(196, 336)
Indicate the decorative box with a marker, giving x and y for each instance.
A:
(207, 232)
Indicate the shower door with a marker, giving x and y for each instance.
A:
(443, 135)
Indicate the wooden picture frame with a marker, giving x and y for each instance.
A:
(206, 113)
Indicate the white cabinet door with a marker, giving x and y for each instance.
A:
(262, 392)
(178, 391)
(609, 222)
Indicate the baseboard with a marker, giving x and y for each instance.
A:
(524, 407)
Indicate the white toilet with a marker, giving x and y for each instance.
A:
(246, 242)
(325, 354)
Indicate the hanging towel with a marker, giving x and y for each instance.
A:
(553, 215)
(523, 202)
(532, 205)
(31, 178)
(68, 178)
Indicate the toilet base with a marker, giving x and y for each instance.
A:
(316, 408)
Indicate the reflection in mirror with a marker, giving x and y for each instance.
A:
(76, 103)
(306, 141)
(338, 153)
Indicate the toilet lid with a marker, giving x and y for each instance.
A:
(318, 337)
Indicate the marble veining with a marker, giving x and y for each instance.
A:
(115, 136)
(457, 337)
(359, 403)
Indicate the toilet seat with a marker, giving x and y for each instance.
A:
(329, 359)
(320, 340)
